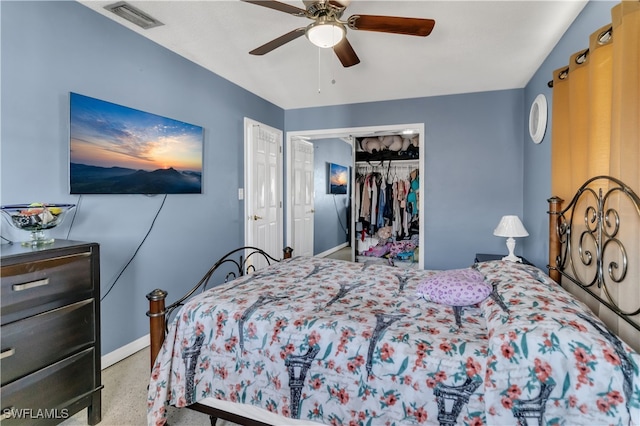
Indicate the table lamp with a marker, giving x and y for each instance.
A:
(510, 227)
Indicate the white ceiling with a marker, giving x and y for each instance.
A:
(475, 46)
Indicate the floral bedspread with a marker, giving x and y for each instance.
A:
(350, 343)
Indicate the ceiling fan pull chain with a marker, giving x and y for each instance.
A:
(319, 80)
(333, 72)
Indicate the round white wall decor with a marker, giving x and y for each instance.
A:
(538, 118)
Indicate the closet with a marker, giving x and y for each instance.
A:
(385, 196)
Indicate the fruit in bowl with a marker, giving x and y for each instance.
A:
(36, 218)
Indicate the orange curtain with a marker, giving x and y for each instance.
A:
(596, 131)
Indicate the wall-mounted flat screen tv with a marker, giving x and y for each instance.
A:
(114, 149)
(338, 179)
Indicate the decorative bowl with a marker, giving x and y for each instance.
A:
(36, 218)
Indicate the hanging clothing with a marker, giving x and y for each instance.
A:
(358, 197)
(412, 196)
(382, 202)
(406, 217)
(388, 208)
(365, 211)
(387, 195)
(374, 202)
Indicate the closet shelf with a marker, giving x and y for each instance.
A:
(386, 162)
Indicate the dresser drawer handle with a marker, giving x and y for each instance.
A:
(31, 284)
(7, 353)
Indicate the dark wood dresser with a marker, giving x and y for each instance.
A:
(50, 335)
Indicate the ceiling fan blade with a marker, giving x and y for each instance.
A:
(346, 54)
(276, 5)
(275, 43)
(392, 24)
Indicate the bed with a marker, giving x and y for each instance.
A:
(322, 341)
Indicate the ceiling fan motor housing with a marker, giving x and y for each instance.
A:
(322, 9)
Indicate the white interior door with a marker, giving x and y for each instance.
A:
(263, 188)
(302, 197)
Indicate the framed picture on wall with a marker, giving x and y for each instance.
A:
(338, 179)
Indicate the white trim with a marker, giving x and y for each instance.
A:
(125, 351)
(349, 133)
(332, 250)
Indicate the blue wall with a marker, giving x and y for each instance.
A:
(52, 48)
(330, 222)
(479, 161)
(473, 164)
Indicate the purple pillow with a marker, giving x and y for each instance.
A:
(455, 287)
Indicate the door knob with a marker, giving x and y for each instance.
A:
(256, 217)
(312, 211)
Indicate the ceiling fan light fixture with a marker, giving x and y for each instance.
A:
(325, 34)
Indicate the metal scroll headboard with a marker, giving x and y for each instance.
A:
(587, 244)
(236, 263)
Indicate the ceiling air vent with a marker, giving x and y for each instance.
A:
(133, 15)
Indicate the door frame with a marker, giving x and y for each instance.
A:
(248, 179)
(349, 134)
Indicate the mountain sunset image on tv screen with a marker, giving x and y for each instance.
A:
(114, 149)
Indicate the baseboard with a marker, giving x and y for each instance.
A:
(124, 351)
(333, 250)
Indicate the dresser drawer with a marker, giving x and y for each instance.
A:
(48, 390)
(40, 340)
(45, 283)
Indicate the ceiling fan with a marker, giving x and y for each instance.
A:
(327, 30)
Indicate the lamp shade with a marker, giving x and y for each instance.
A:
(325, 34)
(510, 226)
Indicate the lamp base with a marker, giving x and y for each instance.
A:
(511, 245)
(512, 258)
